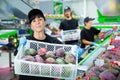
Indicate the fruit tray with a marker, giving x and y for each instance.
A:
(65, 71)
(69, 35)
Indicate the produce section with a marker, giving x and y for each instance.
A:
(50, 43)
(33, 55)
(7, 33)
(106, 64)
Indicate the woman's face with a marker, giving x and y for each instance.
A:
(38, 24)
(89, 24)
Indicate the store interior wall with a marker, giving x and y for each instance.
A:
(47, 9)
(76, 6)
(91, 10)
(20, 5)
(79, 8)
(10, 7)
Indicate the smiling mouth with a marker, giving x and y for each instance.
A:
(38, 26)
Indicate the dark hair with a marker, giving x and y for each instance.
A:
(87, 19)
(67, 8)
(35, 13)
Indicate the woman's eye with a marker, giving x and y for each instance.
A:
(39, 19)
(33, 21)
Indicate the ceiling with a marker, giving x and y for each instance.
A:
(13, 9)
(20, 8)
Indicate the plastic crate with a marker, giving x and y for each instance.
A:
(69, 35)
(66, 71)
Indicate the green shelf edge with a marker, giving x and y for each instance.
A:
(81, 62)
(99, 26)
(6, 35)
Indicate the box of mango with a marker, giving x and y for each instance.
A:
(47, 60)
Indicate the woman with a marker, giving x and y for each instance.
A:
(88, 33)
(37, 23)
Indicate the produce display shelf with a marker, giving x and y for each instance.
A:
(88, 60)
(7, 33)
(101, 26)
(60, 17)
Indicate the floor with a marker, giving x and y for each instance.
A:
(6, 72)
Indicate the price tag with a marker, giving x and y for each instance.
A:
(118, 63)
(117, 38)
(99, 62)
(110, 47)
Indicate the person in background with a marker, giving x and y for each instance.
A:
(88, 33)
(37, 22)
(69, 23)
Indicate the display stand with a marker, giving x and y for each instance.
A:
(87, 62)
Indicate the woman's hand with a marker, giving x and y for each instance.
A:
(22, 41)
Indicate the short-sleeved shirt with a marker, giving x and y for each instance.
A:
(69, 25)
(48, 39)
(88, 34)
